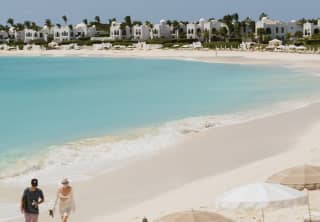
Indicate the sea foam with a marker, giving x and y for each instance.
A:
(80, 160)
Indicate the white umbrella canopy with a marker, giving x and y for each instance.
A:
(260, 196)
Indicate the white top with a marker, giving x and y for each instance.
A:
(65, 201)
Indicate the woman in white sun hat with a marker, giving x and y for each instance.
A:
(65, 200)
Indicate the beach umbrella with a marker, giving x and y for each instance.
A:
(300, 178)
(261, 196)
(193, 216)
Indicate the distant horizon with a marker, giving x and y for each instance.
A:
(142, 10)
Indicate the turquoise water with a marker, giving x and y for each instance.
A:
(47, 101)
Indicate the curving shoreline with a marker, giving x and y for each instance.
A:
(149, 195)
(215, 56)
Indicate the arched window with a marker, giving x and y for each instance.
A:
(277, 30)
(316, 31)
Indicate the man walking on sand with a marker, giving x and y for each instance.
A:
(31, 198)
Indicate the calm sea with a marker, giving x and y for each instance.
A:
(48, 106)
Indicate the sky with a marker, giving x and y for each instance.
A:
(154, 10)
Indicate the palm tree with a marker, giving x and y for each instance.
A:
(27, 24)
(34, 26)
(198, 33)
(136, 23)
(58, 25)
(223, 32)
(149, 24)
(85, 21)
(227, 19)
(176, 26)
(262, 15)
(123, 27)
(19, 26)
(236, 25)
(260, 34)
(206, 35)
(112, 20)
(127, 20)
(97, 19)
(65, 19)
(235, 17)
(10, 21)
(48, 23)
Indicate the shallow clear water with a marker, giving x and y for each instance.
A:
(47, 101)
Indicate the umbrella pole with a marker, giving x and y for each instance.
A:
(309, 210)
(262, 212)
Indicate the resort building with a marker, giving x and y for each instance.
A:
(31, 35)
(197, 30)
(274, 28)
(246, 29)
(3, 36)
(178, 32)
(310, 29)
(83, 31)
(63, 33)
(212, 27)
(161, 31)
(19, 35)
(194, 30)
(294, 27)
(47, 33)
(141, 32)
(118, 31)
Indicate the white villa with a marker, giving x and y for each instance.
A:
(309, 29)
(117, 33)
(46, 32)
(275, 28)
(294, 27)
(19, 35)
(180, 30)
(141, 32)
(82, 30)
(196, 30)
(3, 36)
(213, 26)
(161, 30)
(31, 35)
(63, 33)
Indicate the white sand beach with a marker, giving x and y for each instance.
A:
(192, 173)
(293, 60)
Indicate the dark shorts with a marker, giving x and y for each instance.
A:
(31, 217)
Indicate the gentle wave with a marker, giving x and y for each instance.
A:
(83, 159)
